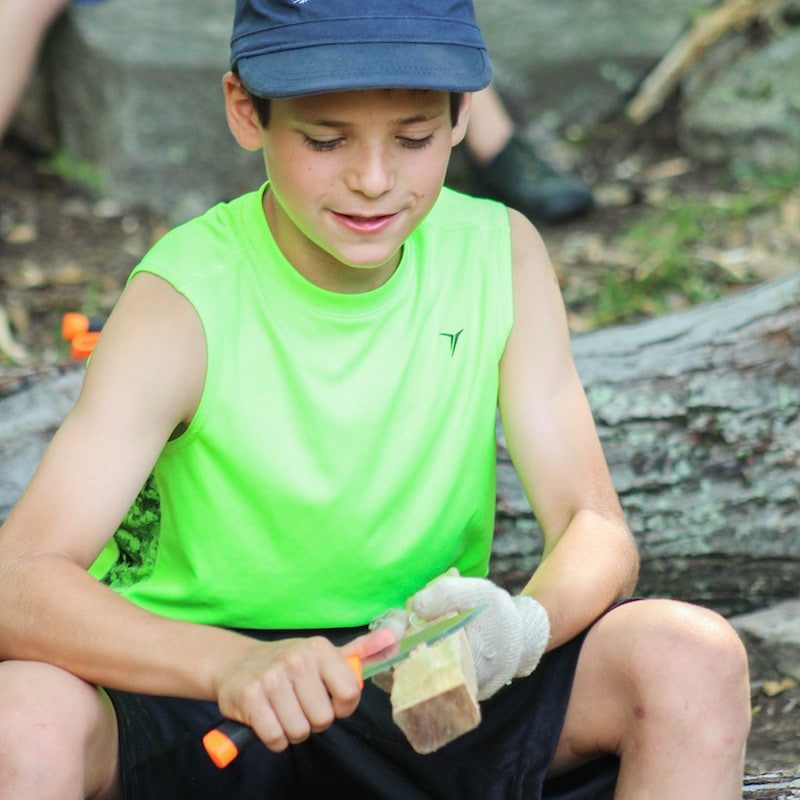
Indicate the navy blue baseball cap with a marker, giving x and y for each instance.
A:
(286, 48)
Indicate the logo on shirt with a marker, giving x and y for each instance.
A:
(453, 339)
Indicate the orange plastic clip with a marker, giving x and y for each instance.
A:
(82, 344)
(73, 324)
(81, 332)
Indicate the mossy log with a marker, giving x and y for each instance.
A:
(699, 416)
(32, 406)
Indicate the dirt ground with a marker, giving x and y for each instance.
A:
(63, 249)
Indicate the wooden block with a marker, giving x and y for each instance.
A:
(434, 694)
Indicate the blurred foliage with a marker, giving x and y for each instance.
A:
(669, 246)
(75, 171)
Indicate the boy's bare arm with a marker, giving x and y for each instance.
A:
(145, 379)
(590, 558)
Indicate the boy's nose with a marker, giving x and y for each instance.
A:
(373, 173)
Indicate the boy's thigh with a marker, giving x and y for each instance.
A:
(53, 721)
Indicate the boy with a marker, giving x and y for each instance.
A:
(314, 370)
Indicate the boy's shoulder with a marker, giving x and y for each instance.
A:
(218, 235)
(456, 209)
(455, 199)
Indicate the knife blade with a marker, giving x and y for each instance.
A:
(224, 742)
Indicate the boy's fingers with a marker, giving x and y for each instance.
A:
(343, 687)
(290, 716)
(317, 704)
(370, 644)
(267, 727)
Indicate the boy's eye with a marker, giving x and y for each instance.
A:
(416, 144)
(321, 144)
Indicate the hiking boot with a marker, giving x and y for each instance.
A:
(518, 177)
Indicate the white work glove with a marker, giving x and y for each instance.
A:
(507, 638)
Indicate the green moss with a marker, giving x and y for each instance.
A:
(137, 538)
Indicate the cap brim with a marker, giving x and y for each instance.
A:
(343, 67)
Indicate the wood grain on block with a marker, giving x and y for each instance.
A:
(434, 694)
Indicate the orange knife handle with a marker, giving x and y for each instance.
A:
(354, 662)
(224, 743)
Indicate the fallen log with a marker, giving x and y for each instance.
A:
(33, 404)
(772, 786)
(699, 416)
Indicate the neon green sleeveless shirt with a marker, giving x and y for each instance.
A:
(343, 452)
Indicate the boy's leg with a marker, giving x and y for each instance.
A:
(58, 736)
(665, 686)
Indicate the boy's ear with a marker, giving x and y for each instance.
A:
(242, 117)
(460, 128)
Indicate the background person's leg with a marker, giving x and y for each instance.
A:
(23, 24)
(507, 167)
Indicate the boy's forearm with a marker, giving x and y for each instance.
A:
(52, 611)
(593, 564)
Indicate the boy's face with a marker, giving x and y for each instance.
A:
(351, 175)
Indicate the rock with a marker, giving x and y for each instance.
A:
(772, 638)
(577, 61)
(137, 88)
(750, 113)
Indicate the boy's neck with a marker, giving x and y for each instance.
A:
(320, 267)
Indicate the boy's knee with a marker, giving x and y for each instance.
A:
(691, 667)
(53, 728)
(690, 642)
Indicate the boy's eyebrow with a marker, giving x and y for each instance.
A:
(335, 123)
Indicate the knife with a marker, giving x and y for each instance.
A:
(224, 742)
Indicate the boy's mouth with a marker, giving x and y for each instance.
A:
(366, 223)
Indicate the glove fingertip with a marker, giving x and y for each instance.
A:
(427, 606)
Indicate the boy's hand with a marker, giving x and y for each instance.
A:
(289, 689)
(507, 638)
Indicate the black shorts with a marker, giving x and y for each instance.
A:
(365, 757)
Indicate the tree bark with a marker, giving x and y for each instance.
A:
(698, 413)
